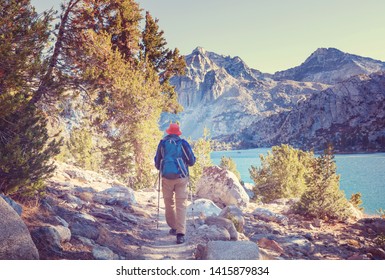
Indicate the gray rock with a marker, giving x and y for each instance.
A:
(47, 239)
(64, 233)
(232, 250)
(297, 244)
(88, 230)
(82, 224)
(103, 253)
(209, 233)
(74, 201)
(127, 217)
(267, 215)
(116, 195)
(234, 214)
(62, 221)
(85, 176)
(222, 187)
(203, 207)
(224, 223)
(377, 225)
(249, 190)
(15, 240)
(13, 204)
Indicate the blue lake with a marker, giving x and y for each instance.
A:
(364, 173)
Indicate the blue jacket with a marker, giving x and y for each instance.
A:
(188, 156)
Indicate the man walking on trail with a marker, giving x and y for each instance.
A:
(172, 159)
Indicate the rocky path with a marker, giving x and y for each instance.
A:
(163, 245)
(160, 244)
(86, 216)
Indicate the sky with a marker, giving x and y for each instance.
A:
(269, 35)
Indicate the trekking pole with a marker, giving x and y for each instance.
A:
(159, 186)
(192, 204)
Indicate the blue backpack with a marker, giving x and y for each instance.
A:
(173, 166)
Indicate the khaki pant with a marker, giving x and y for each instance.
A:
(175, 205)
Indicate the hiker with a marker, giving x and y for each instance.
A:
(172, 159)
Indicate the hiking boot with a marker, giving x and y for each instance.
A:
(172, 231)
(180, 238)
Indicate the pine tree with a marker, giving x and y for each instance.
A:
(166, 62)
(282, 174)
(229, 164)
(23, 36)
(101, 43)
(98, 53)
(25, 152)
(25, 149)
(323, 197)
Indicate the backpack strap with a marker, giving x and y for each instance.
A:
(184, 151)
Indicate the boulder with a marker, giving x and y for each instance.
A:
(378, 253)
(73, 201)
(295, 245)
(223, 223)
(230, 250)
(222, 187)
(249, 190)
(116, 195)
(103, 253)
(64, 233)
(210, 233)
(268, 216)
(234, 214)
(85, 225)
(47, 240)
(15, 240)
(13, 204)
(377, 225)
(270, 245)
(203, 207)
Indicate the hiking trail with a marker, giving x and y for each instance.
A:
(161, 245)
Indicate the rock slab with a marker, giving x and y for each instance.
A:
(15, 240)
(222, 187)
(232, 250)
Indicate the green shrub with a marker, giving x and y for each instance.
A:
(291, 173)
(323, 198)
(82, 148)
(282, 173)
(25, 152)
(229, 164)
(356, 201)
(202, 150)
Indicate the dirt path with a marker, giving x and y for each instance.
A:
(160, 244)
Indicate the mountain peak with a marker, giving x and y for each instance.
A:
(327, 50)
(199, 50)
(326, 53)
(330, 66)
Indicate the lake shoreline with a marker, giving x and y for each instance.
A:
(359, 173)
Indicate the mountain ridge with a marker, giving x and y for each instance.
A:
(335, 66)
(341, 115)
(226, 96)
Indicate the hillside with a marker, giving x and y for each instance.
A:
(351, 115)
(224, 95)
(332, 97)
(86, 215)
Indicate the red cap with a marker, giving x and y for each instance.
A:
(174, 129)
